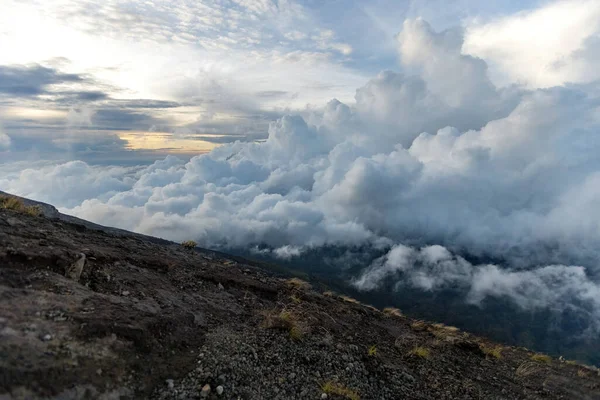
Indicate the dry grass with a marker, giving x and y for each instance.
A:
(17, 205)
(189, 244)
(446, 328)
(370, 307)
(372, 352)
(442, 332)
(582, 374)
(393, 312)
(527, 368)
(297, 283)
(348, 299)
(295, 299)
(420, 351)
(285, 320)
(418, 326)
(543, 358)
(334, 388)
(491, 351)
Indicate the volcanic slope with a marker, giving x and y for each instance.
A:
(94, 312)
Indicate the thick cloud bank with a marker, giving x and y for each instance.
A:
(436, 156)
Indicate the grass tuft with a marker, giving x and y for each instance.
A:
(17, 205)
(543, 358)
(285, 320)
(372, 351)
(491, 351)
(189, 244)
(528, 368)
(582, 374)
(295, 299)
(420, 351)
(349, 299)
(334, 388)
(393, 312)
(297, 283)
(418, 326)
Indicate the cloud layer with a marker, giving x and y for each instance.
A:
(428, 163)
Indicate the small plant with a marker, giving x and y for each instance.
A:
(296, 333)
(420, 351)
(491, 351)
(295, 299)
(528, 368)
(392, 312)
(284, 320)
(348, 299)
(418, 326)
(543, 358)
(16, 204)
(189, 244)
(372, 351)
(334, 388)
(582, 374)
(444, 327)
(297, 283)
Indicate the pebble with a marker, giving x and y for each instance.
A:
(221, 287)
(205, 391)
(220, 390)
(324, 396)
(47, 337)
(125, 293)
(170, 383)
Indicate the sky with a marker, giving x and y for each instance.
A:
(430, 130)
(83, 80)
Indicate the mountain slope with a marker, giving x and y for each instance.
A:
(148, 318)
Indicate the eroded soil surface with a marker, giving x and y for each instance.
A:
(150, 319)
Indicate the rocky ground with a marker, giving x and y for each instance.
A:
(87, 313)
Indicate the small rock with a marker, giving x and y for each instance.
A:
(125, 293)
(205, 391)
(47, 337)
(220, 390)
(99, 371)
(74, 270)
(324, 396)
(221, 287)
(170, 383)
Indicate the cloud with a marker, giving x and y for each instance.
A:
(551, 45)
(436, 166)
(31, 80)
(558, 287)
(4, 141)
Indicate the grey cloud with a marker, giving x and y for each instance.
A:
(559, 287)
(26, 81)
(271, 93)
(222, 138)
(146, 103)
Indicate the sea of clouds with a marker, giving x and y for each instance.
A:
(427, 165)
